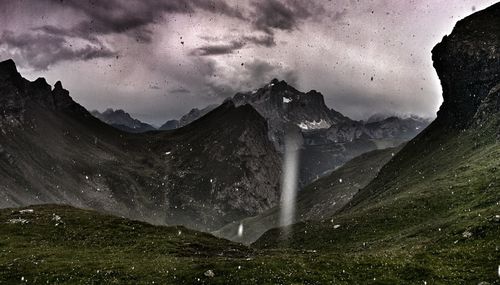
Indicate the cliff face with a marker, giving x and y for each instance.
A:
(468, 64)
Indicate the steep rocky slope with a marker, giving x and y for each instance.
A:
(203, 176)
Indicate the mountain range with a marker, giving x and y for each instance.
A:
(122, 120)
(328, 139)
(212, 172)
(424, 213)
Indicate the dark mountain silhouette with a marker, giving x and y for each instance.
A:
(218, 169)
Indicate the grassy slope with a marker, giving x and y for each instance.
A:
(415, 219)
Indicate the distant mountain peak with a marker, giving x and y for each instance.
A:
(122, 120)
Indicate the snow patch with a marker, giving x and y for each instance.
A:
(313, 125)
(26, 211)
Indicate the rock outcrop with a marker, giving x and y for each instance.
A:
(468, 64)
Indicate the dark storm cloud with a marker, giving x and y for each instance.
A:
(43, 50)
(251, 75)
(131, 17)
(218, 49)
(260, 71)
(274, 14)
(266, 40)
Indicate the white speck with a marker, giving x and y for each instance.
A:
(179, 233)
(86, 177)
(240, 230)
(466, 234)
(209, 273)
(336, 226)
(340, 180)
(57, 219)
(18, 221)
(168, 152)
(286, 100)
(239, 267)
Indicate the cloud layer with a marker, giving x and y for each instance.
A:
(158, 59)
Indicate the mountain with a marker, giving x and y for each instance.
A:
(188, 118)
(216, 170)
(430, 216)
(433, 208)
(285, 107)
(169, 125)
(122, 120)
(329, 139)
(318, 200)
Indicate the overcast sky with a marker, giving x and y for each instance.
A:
(158, 59)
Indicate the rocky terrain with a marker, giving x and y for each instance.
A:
(122, 120)
(214, 171)
(430, 215)
(329, 139)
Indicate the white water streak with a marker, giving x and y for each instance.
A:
(289, 182)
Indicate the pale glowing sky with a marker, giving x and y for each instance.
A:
(158, 59)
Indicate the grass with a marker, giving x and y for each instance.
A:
(432, 213)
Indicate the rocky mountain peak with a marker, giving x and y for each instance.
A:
(8, 69)
(122, 120)
(468, 64)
